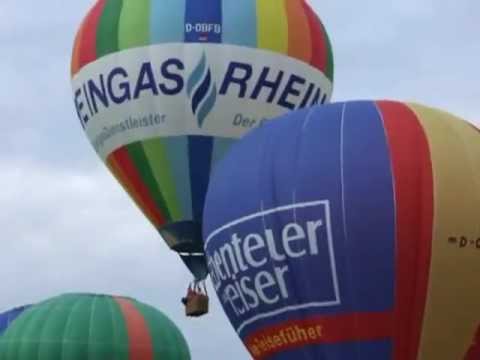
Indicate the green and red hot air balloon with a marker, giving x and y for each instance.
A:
(93, 327)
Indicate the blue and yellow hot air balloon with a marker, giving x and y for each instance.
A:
(349, 232)
(163, 87)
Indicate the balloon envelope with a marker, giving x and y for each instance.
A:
(163, 87)
(350, 231)
(8, 317)
(87, 327)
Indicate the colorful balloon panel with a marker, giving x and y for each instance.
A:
(8, 317)
(297, 30)
(163, 87)
(91, 327)
(350, 231)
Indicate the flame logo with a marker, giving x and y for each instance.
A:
(202, 90)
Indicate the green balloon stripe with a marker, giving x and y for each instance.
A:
(56, 323)
(119, 329)
(107, 31)
(100, 332)
(25, 343)
(178, 158)
(156, 154)
(156, 330)
(29, 341)
(137, 154)
(74, 338)
(134, 24)
(329, 71)
(174, 345)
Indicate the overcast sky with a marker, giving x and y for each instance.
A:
(65, 223)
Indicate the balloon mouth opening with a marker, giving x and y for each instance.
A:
(184, 237)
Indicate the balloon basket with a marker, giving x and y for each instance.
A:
(196, 302)
(197, 306)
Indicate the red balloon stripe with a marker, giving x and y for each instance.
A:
(413, 174)
(140, 341)
(319, 40)
(88, 39)
(128, 167)
(319, 330)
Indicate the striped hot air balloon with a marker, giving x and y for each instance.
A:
(349, 232)
(163, 87)
(93, 327)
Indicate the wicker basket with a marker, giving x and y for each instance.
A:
(197, 305)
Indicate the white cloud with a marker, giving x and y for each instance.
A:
(423, 51)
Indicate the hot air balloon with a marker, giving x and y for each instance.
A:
(9, 316)
(87, 327)
(163, 87)
(349, 232)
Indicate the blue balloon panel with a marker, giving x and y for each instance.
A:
(8, 317)
(291, 251)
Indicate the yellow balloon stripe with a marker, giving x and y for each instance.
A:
(272, 25)
(453, 301)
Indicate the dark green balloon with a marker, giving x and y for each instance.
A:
(93, 327)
